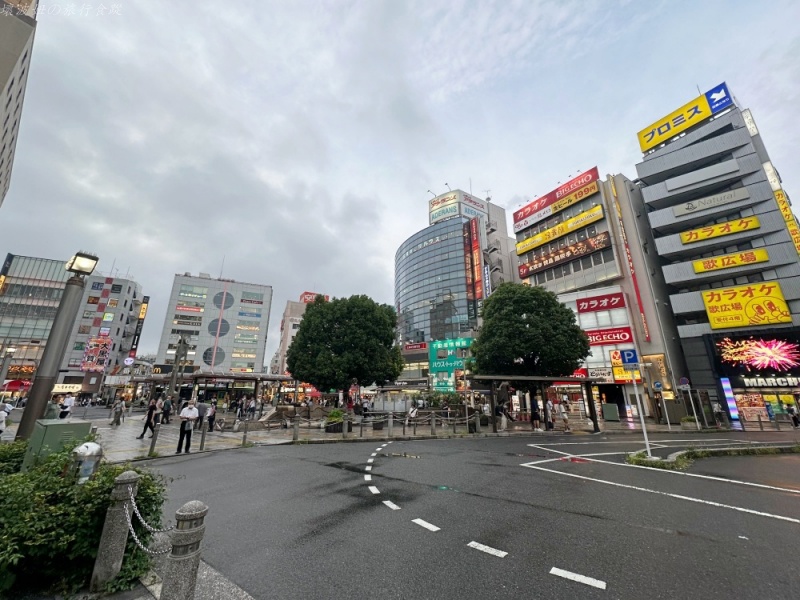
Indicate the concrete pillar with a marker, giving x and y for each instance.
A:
(180, 569)
(296, 432)
(115, 532)
(203, 429)
(477, 421)
(154, 439)
(344, 425)
(391, 424)
(433, 423)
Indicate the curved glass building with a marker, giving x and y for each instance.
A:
(431, 284)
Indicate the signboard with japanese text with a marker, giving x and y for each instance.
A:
(620, 373)
(693, 206)
(788, 216)
(602, 374)
(610, 336)
(720, 229)
(588, 217)
(746, 305)
(446, 361)
(416, 346)
(563, 255)
(690, 114)
(308, 297)
(557, 194)
(580, 194)
(468, 270)
(729, 261)
(604, 302)
(96, 354)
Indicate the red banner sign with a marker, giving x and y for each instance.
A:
(307, 297)
(563, 255)
(545, 201)
(420, 346)
(607, 337)
(605, 302)
(477, 274)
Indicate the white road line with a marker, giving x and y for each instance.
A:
(369, 460)
(378, 449)
(374, 490)
(367, 477)
(388, 442)
(391, 505)
(488, 549)
(579, 578)
(425, 524)
(677, 496)
(639, 442)
(374, 454)
(368, 468)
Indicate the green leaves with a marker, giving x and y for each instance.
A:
(345, 339)
(526, 331)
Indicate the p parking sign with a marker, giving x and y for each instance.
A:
(629, 357)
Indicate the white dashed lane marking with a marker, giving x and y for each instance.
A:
(367, 477)
(368, 468)
(579, 578)
(488, 549)
(378, 449)
(425, 524)
(391, 505)
(374, 490)
(369, 460)
(374, 454)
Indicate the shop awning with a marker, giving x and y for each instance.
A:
(16, 385)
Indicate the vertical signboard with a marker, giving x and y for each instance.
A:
(446, 364)
(468, 271)
(139, 324)
(477, 273)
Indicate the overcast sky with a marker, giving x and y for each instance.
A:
(298, 139)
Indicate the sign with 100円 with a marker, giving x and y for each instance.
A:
(746, 305)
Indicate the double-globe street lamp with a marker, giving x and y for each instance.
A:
(81, 265)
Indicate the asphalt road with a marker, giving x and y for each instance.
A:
(302, 522)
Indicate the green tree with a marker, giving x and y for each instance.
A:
(343, 340)
(526, 331)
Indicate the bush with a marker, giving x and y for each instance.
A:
(11, 456)
(335, 416)
(687, 419)
(52, 526)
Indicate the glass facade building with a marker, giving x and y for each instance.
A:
(431, 284)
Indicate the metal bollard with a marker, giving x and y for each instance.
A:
(244, 435)
(414, 423)
(180, 570)
(454, 425)
(404, 426)
(760, 422)
(344, 426)
(361, 428)
(203, 429)
(115, 532)
(154, 439)
(433, 424)
(477, 423)
(391, 424)
(777, 423)
(296, 432)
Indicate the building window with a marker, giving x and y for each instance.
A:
(93, 300)
(116, 288)
(89, 314)
(252, 298)
(74, 362)
(112, 303)
(193, 291)
(84, 329)
(97, 285)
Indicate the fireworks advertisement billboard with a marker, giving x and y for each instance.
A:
(759, 371)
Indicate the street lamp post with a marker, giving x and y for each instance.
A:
(80, 265)
(9, 353)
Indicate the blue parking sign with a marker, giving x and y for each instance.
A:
(629, 357)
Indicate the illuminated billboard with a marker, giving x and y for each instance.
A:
(588, 217)
(96, 354)
(746, 305)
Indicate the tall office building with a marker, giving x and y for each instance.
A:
(106, 332)
(17, 29)
(444, 272)
(729, 245)
(224, 321)
(290, 323)
(30, 292)
(582, 241)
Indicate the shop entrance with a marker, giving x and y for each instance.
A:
(613, 394)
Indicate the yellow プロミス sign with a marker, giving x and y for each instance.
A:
(720, 229)
(728, 261)
(675, 122)
(585, 218)
(759, 303)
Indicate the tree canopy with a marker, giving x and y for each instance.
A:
(343, 340)
(527, 331)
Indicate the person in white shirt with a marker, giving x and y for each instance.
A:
(188, 416)
(66, 407)
(563, 411)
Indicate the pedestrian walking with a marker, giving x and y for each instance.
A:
(563, 412)
(116, 411)
(166, 410)
(548, 414)
(67, 406)
(5, 414)
(251, 409)
(212, 415)
(52, 410)
(159, 410)
(148, 420)
(413, 411)
(536, 416)
(188, 416)
(202, 409)
(793, 414)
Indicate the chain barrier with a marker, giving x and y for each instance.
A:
(136, 538)
(141, 519)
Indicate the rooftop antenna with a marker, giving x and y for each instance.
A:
(699, 93)
(430, 192)
(470, 186)
(487, 192)
(222, 268)
(448, 187)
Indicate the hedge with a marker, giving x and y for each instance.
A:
(51, 526)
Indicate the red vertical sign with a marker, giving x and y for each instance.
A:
(477, 274)
(468, 263)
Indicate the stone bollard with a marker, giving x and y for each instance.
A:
(203, 430)
(180, 569)
(477, 423)
(454, 425)
(115, 532)
(414, 423)
(154, 439)
(296, 432)
(244, 435)
(433, 423)
(777, 424)
(391, 423)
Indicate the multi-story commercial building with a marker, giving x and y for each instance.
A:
(444, 272)
(30, 292)
(225, 323)
(582, 242)
(728, 243)
(290, 323)
(17, 29)
(105, 337)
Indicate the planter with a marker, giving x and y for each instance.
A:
(377, 425)
(689, 425)
(337, 427)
